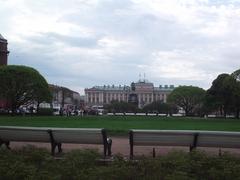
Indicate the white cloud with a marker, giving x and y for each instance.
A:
(177, 65)
(81, 43)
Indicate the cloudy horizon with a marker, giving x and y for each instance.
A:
(83, 43)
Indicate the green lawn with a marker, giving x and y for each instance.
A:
(121, 125)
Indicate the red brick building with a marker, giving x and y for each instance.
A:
(3, 61)
(3, 51)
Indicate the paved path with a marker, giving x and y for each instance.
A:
(121, 146)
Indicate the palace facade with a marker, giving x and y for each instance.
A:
(142, 92)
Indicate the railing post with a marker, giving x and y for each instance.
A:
(109, 141)
(105, 143)
(195, 139)
(7, 143)
(131, 143)
(53, 143)
(154, 153)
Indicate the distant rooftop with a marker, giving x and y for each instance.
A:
(164, 88)
(2, 39)
(127, 88)
(143, 81)
(112, 87)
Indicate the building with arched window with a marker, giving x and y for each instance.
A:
(142, 93)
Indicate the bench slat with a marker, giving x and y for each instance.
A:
(219, 140)
(163, 137)
(190, 138)
(164, 140)
(55, 136)
(24, 134)
(78, 136)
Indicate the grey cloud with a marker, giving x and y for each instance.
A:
(51, 37)
(122, 19)
(146, 29)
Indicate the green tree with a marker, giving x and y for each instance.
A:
(22, 85)
(236, 75)
(223, 95)
(160, 107)
(189, 98)
(120, 106)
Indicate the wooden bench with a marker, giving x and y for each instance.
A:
(55, 136)
(192, 139)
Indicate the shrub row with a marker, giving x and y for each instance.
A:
(35, 163)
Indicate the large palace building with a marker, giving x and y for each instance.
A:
(3, 51)
(141, 92)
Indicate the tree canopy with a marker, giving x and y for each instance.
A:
(236, 75)
(120, 106)
(160, 107)
(224, 94)
(22, 85)
(190, 98)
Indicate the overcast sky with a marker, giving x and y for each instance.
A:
(82, 43)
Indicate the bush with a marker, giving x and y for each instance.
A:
(34, 163)
(27, 163)
(79, 164)
(45, 111)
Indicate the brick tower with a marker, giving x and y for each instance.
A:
(3, 51)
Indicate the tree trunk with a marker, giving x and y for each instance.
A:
(186, 112)
(13, 109)
(237, 113)
(63, 98)
(225, 112)
(221, 110)
(38, 106)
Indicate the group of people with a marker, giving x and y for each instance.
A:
(70, 112)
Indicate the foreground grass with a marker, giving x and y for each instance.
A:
(119, 125)
(32, 163)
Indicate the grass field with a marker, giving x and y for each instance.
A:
(119, 125)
